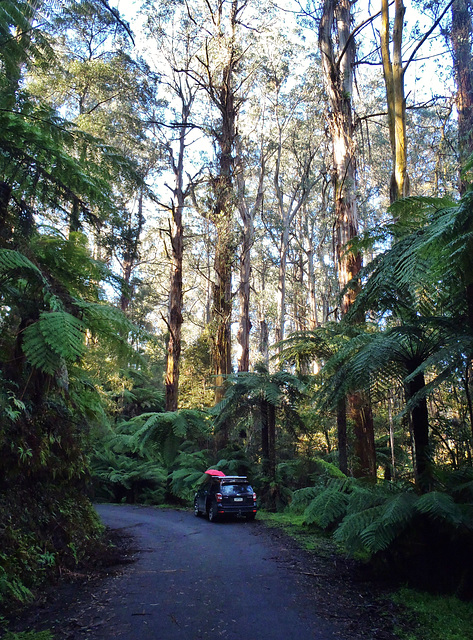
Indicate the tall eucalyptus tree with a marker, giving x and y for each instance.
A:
(461, 39)
(338, 64)
(177, 40)
(394, 71)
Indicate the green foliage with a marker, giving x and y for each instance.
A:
(152, 457)
(326, 508)
(54, 530)
(119, 476)
(28, 635)
(434, 617)
(55, 336)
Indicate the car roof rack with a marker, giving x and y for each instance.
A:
(234, 478)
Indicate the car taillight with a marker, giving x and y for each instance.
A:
(254, 496)
(218, 497)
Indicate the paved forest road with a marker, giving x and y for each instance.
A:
(196, 580)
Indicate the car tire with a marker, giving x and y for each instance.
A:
(213, 516)
(197, 511)
(250, 517)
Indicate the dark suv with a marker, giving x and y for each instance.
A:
(218, 497)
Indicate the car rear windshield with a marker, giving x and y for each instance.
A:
(228, 489)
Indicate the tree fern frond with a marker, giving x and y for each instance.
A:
(328, 507)
(440, 506)
(350, 530)
(302, 497)
(11, 260)
(38, 351)
(394, 517)
(64, 333)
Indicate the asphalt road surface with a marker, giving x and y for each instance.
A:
(196, 580)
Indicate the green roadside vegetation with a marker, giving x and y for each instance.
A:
(435, 617)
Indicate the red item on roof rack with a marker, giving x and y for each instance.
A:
(215, 472)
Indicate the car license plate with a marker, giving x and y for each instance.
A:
(237, 499)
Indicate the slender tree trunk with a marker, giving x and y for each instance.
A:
(247, 215)
(175, 306)
(289, 206)
(342, 437)
(272, 441)
(5, 228)
(393, 72)
(131, 255)
(265, 436)
(391, 437)
(281, 295)
(263, 329)
(420, 431)
(468, 395)
(313, 307)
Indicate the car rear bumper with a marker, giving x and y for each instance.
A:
(236, 509)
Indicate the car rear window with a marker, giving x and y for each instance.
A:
(228, 489)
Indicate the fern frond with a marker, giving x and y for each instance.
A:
(393, 519)
(302, 497)
(440, 506)
(350, 530)
(11, 260)
(328, 507)
(38, 352)
(64, 333)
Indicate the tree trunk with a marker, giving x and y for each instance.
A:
(272, 442)
(342, 436)
(5, 227)
(289, 205)
(247, 215)
(281, 295)
(463, 67)
(131, 255)
(338, 76)
(313, 309)
(175, 306)
(177, 254)
(420, 430)
(364, 450)
(393, 73)
(223, 96)
(265, 436)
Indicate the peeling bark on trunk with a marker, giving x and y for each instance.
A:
(222, 93)
(460, 36)
(338, 75)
